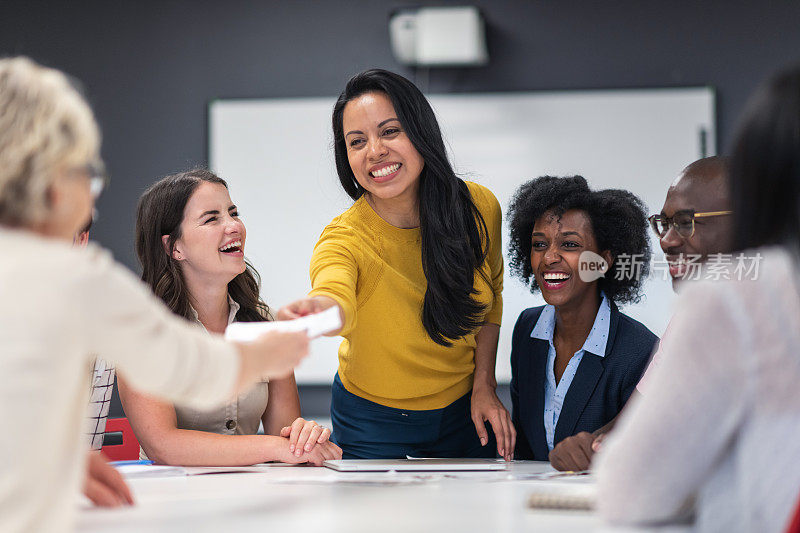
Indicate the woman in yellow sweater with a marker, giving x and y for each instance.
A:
(415, 267)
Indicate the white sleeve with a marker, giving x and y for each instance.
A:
(666, 443)
(157, 351)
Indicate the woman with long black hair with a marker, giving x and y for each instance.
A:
(416, 270)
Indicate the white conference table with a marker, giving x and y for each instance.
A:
(301, 498)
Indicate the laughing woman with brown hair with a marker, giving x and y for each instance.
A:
(190, 242)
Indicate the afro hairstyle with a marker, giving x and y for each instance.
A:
(618, 220)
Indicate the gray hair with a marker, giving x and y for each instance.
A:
(45, 127)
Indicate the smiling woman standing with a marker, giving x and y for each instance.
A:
(415, 267)
(576, 360)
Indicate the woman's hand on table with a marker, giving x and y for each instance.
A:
(322, 452)
(305, 435)
(487, 407)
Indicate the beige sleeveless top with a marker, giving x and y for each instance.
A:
(240, 417)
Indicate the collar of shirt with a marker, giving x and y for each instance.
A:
(597, 339)
(595, 343)
(231, 319)
(231, 314)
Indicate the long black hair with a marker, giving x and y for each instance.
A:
(619, 224)
(765, 166)
(160, 212)
(453, 232)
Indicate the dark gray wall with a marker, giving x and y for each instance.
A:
(151, 67)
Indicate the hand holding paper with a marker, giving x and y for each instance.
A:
(314, 325)
(269, 353)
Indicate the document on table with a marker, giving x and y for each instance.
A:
(203, 470)
(137, 470)
(314, 325)
(583, 475)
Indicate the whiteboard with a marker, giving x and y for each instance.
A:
(277, 156)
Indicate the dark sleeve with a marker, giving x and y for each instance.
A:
(523, 447)
(643, 344)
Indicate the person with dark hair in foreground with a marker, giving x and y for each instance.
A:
(576, 360)
(693, 225)
(715, 435)
(415, 268)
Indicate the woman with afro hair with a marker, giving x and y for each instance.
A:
(576, 360)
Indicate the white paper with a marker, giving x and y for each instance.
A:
(259, 468)
(314, 325)
(136, 470)
(132, 471)
(584, 476)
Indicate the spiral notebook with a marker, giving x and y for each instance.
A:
(572, 496)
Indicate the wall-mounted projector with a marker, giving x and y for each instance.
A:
(438, 37)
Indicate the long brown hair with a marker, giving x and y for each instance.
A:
(160, 212)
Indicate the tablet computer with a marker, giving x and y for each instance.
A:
(415, 465)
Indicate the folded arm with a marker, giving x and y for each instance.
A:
(155, 425)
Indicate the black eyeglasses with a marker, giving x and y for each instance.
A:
(682, 221)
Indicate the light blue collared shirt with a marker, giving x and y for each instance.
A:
(595, 344)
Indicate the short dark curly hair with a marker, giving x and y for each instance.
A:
(618, 219)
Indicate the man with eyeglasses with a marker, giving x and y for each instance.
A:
(695, 221)
(694, 224)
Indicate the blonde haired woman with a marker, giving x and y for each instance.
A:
(60, 305)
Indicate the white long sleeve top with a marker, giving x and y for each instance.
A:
(718, 429)
(58, 306)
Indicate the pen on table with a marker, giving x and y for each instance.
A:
(126, 463)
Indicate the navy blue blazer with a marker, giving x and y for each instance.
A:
(596, 395)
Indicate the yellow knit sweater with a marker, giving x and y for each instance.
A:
(374, 272)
